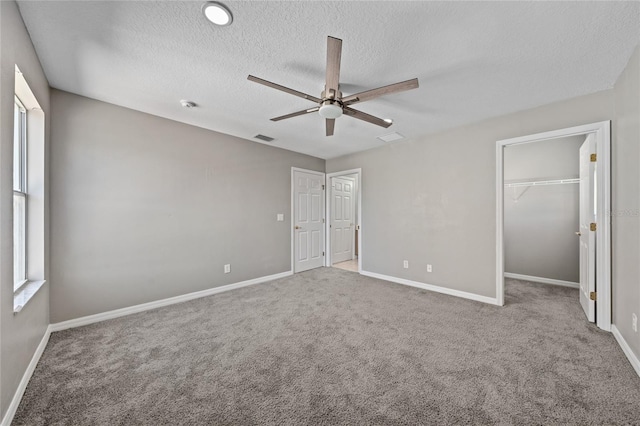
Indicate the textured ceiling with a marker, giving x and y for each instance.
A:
(475, 60)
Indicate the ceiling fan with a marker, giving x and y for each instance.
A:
(331, 103)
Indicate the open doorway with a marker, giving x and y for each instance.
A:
(541, 211)
(344, 215)
(594, 227)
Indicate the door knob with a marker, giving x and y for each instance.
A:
(578, 233)
(297, 227)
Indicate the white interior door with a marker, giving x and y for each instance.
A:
(342, 218)
(587, 236)
(308, 220)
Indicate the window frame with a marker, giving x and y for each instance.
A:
(20, 190)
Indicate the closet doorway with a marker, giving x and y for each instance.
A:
(594, 179)
(344, 215)
(541, 211)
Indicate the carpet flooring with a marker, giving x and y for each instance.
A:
(329, 346)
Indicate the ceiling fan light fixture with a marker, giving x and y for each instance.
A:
(330, 109)
(217, 13)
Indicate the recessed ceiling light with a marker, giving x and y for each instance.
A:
(391, 137)
(217, 13)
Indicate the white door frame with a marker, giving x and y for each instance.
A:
(602, 133)
(357, 172)
(293, 212)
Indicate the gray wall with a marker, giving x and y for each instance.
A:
(540, 221)
(432, 199)
(19, 334)
(551, 159)
(144, 208)
(626, 202)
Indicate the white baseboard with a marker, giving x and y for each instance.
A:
(431, 287)
(542, 280)
(22, 386)
(633, 359)
(90, 319)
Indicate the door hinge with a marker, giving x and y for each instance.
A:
(592, 226)
(322, 220)
(322, 253)
(592, 295)
(323, 187)
(594, 157)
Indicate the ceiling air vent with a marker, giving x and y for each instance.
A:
(391, 137)
(263, 138)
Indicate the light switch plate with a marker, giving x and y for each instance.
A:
(280, 217)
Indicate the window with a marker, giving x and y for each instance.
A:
(29, 198)
(19, 194)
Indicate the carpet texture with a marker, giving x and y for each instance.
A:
(332, 347)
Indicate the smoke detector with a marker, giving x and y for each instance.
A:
(187, 104)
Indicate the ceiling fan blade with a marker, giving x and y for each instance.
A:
(284, 89)
(330, 124)
(295, 114)
(334, 53)
(380, 91)
(365, 117)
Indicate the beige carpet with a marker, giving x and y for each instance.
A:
(332, 347)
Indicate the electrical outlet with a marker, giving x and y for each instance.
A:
(405, 264)
(429, 268)
(634, 322)
(227, 268)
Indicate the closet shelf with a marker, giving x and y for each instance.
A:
(543, 182)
